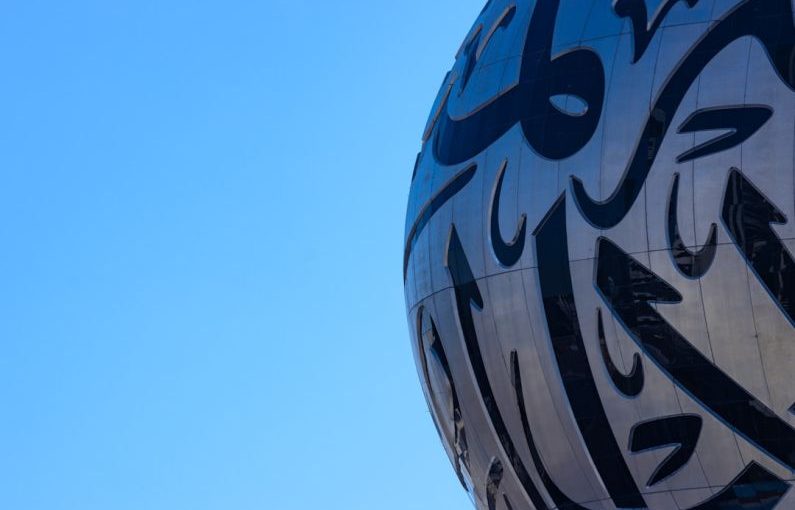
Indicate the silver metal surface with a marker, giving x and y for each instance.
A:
(529, 303)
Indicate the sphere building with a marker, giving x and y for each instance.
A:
(598, 263)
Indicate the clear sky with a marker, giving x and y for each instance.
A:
(201, 224)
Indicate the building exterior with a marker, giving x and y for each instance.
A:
(599, 250)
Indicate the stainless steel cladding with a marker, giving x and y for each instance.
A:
(598, 259)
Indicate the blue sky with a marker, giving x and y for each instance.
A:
(201, 212)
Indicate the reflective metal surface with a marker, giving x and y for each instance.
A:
(598, 258)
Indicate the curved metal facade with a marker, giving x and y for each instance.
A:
(599, 250)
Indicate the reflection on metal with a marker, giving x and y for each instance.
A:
(493, 483)
(450, 413)
(655, 171)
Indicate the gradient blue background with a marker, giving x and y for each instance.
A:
(201, 224)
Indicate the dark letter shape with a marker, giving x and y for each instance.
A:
(508, 254)
(691, 264)
(644, 31)
(740, 121)
(467, 295)
(552, 133)
(770, 21)
(747, 214)
(448, 191)
(575, 370)
(630, 289)
(682, 431)
(755, 489)
(629, 385)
